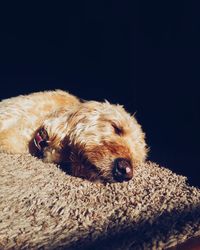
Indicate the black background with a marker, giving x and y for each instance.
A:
(144, 55)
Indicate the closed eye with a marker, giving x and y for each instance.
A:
(118, 130)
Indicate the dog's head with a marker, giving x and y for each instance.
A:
(97, 141)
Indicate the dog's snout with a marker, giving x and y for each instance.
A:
(123, 170)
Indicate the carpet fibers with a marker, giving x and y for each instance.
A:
(43, 208)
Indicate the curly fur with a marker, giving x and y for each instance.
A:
(84, 137)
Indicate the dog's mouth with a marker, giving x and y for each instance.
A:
(41, 139)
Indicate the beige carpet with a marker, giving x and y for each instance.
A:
(42, 207)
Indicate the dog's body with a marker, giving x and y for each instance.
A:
(98, 140)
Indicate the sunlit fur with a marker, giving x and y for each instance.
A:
(87, 136)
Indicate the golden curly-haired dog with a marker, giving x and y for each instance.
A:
(93, 140)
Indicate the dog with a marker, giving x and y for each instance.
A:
(94, 140)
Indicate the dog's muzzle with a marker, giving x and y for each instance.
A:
(122, 170)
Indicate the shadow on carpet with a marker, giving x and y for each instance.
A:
(42, 207)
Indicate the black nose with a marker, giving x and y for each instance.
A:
(122, 170)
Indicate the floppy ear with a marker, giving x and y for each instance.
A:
(38, 142)
(51, 131)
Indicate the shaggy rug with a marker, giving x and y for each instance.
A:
(42, 207)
